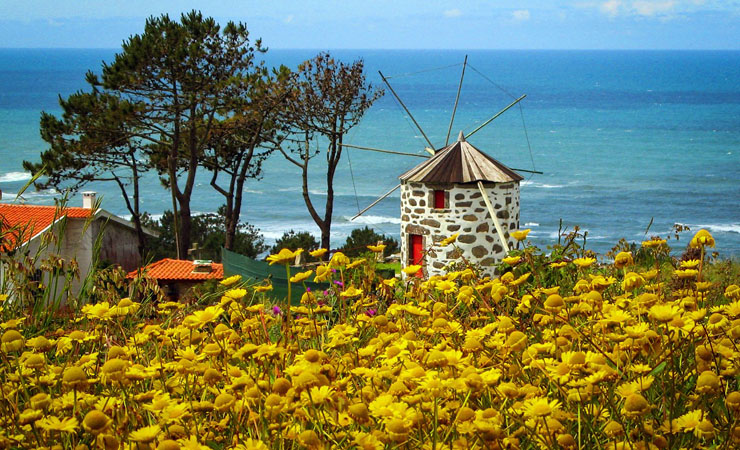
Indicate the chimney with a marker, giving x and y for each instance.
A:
(202, 266)
(88, 199)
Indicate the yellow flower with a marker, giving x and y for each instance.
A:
(231, 280)
(686, 273)
(96, 422)
(664, 312)
(445, 286)
(97, 310)
(584, 262)
(146, 434)
(12, 341)
(690, 263)
(53, 423)
(338, 260)
(320, 395)
(412, 269)
(235, 294)
(702, 238)
(207, 315)
(623, 259)
(635, 405)
(376, 248)
(558, 264)
(512, 260)
(732, 291)
(520, 235)
(351, 292)
(299, 277)
(655, 242)
(284, 256)
(690, 420)
(449, 240)
(355, 263)
(539, 407)
(263, 288)
(318, 253)
(367, 441)
(224, 402)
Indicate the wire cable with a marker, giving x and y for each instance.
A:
(408, 74)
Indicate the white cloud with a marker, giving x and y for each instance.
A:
(453, 13)
(520, 14)
(610, 7)
(289, 18)
(649, 9)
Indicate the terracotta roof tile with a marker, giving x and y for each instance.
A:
(31, 220)
(179, 269)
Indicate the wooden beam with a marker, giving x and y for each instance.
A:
(393, 152)
(495, 116)
(406, 109)
(496, 223)
(375, 202)
(457, 98)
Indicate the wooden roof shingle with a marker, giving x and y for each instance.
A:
(460, 162)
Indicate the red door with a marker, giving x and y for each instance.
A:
(417, 251)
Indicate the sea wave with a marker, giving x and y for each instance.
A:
(11, 177)
(371, 220)
(719, 227)
(534, 184)
(531, 224)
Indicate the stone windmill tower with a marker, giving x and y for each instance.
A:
(458, 190)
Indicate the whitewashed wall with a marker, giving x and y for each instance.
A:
(466, 214)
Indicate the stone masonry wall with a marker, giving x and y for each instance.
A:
(465, 213)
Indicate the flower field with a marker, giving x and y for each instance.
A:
(560, 351)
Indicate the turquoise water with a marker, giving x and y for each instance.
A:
(622, 137)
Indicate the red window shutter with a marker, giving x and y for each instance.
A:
(439, 199)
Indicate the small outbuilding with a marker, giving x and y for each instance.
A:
(458, 190)
(177, 276)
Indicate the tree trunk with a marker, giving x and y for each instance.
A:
(185, 229)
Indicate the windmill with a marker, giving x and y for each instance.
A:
(458, 189)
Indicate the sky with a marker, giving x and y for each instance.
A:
(399, 24)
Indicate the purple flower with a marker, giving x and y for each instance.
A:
(371, 312)
(276, 310)
(338, 283)
(308, 289)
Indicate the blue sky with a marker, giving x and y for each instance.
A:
(432, 24)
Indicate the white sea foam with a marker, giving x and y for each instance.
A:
(531, 224)
(11, 177)
(371, 220)
(541, 185)
(719, 227)
(252, 191)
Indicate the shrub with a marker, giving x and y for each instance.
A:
(209, 233)
(360, 238)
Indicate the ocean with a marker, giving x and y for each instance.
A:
(624, 138)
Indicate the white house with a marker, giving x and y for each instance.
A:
(76, 231)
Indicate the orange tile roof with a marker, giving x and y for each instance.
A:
(31, 220)
(179, 269)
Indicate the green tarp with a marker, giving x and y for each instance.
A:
(250, 269)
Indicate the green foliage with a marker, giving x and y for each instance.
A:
(208, 233)
(293, 240)
(360, 238)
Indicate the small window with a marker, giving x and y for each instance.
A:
(439, 199)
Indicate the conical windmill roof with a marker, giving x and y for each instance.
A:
(460, 162)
